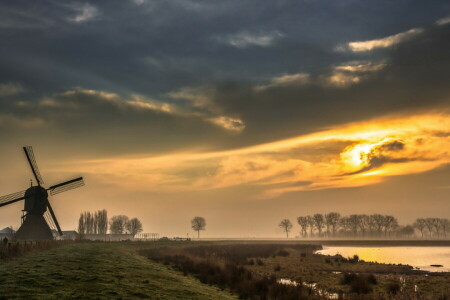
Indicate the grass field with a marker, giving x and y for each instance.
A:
(117, 271)
(97, 271)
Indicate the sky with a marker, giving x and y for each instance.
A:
(242, 112)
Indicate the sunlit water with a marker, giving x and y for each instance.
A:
(420, 257)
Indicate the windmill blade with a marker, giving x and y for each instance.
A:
(55, 221)
(65, 186)
(32, 161)
(11, 198)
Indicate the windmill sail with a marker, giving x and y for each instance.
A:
(66, 186)
(11, 198)
(33, 165)
(53, 218)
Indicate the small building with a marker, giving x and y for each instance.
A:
(7, 232)
(67, 235)
(108, 237)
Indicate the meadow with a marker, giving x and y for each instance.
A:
(207, 270)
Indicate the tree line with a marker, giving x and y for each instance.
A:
(98, 223)
(376, 225)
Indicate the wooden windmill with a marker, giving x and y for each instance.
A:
(36, 221)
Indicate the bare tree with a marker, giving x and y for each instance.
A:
(379, 222)
(117, 224)
(420, 224)
(371, 224)
(303, 222)
(390, 224)
(332, 220)
(198, 223)
(364, 223)
(81, 225)
(319, 222)
(354, 221)
(345, 225)
(437, 225)
(429, 224)
(286, 225)
(134, 226)
(445, 224)
(311, 225)
(102, 221)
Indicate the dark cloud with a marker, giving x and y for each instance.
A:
(161, 47)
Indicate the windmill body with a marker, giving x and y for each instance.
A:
(38, 213)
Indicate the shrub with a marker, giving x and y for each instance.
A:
(393, 287)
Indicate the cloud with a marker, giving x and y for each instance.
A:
(286, 80)
(355, 155)
(386, 42)
(84, 12)
(246, 39)
(9, 89)
(443, 21)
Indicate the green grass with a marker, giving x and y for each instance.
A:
(98, 271)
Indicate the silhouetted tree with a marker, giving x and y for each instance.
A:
(445, 224)
(379, 222)
(319, 222)
(429, 224)
(371, 225)
(364, 222)
(286, 225)
(81, 225)
(310, 224)
(198, 223)
(303, 222)
(407, 231)
(390, 224)
(420, 224)
(134, 226)
(436, 225)
(332, 220)
(102, 221)
(117, 224)
(354, 221)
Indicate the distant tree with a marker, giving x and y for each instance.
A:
(420, 224)
(198, 223)
(102, 221)
(81, 225)
(319, 222)
(310, 225)
(134, 226)
(407, 231)
(371, 225)
(117, 224)
(390, 224)
(445, 225)
(354, 221)
(364, 223)
(332, 220)
(286, 225)
(436, 225)
(303, 222)
(429, 224)
(379, 223)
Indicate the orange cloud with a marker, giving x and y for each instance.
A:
(345, 156)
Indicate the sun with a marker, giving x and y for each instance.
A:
(354, 157)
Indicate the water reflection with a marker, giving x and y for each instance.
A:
(420, 257)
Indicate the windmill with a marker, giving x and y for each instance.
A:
(38, 213)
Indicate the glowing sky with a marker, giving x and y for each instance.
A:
(244, 113)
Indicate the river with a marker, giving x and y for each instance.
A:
(419, 257)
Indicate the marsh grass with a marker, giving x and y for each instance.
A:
(98, 271)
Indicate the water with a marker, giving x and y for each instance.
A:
(313, 286)
(419, 257)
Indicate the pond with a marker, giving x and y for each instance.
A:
(419, 257)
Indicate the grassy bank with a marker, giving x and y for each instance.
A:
(97, 271)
